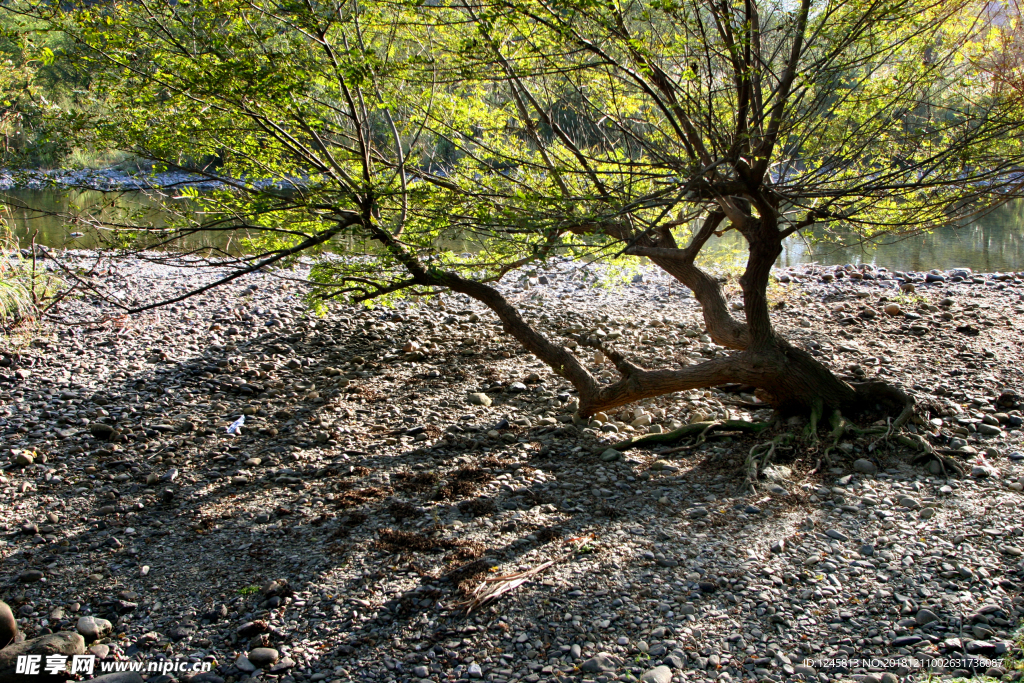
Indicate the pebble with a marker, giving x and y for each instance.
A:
(864, 466)
(480, 399)
(262, 657)
(659, 674)
(93, 628)
(601, 663)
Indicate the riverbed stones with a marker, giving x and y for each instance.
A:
(480, 399)
(313, 511)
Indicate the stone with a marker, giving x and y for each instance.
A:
(101, 431)
(420, 671)
(611, 455)
(263, 656)
(675, 661)
(659, 674)
(101, 650)
(30, 576)
(474, 671)
(892, 309)
(804, 670)
(243, 664)
(838, 535)
(905, 641)
(8, 626)
(925, 616)
(93, 628)
(602, 662)
(64, 643)
(480, 399)
(864, 466)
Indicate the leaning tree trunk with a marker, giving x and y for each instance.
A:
(791, 379)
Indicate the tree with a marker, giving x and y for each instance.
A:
(542, 127)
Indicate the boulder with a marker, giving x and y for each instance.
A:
(8, 626)
(64, 643)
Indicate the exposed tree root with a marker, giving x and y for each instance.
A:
(761, 455)
(811, 431)
(701, 430)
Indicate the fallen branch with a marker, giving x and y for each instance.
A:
(493, 588)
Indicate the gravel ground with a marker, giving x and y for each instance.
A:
(391, 460)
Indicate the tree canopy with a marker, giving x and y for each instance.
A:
(531, 128)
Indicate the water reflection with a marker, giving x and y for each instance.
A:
(993, 243)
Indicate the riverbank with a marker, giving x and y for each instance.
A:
(108, 180)
(390, 456)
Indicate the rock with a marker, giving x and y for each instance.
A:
(100, 650)
(934, 277)
(905, 641)
(420, 671)
(867, 550)
(263, 656)
(64, 643)
(101, 431)
(804, 670)
(675, 661)
(243, 664)
(838, 535)
(611, 455)
(983, 472)
(30, 576)
(474, 671)
(925, 616)
(864, 466)
(8, 626)
(892, 309)
(602, 662)
(93, 628)
(480, 399)
(659, 674)
(24, 459)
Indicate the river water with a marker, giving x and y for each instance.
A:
(993, 243)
